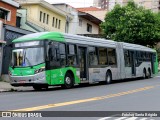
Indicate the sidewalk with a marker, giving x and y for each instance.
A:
(5, 86)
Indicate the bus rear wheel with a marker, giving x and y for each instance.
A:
(68, 81)
(149, 73)
(108, 77)
(144, 74)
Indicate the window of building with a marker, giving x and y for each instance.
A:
(93, 57)
(4, 14)
(18, 21)
(89, 28)
(44, 17)
(112, 56)
(40, 17)
(53, 22)
(47, 19)
(102, 56)
(56, 22)
(72, 55)
(80, 22)
(59, 25)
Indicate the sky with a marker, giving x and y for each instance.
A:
(73, 3)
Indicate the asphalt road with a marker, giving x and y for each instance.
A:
(128, 95)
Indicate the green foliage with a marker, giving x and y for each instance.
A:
(132, 24)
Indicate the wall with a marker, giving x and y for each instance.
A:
(149, 4)
(83, 29)
(100, 14)
(23, 12)
(73, 20)
(33, 15)
(12, 10)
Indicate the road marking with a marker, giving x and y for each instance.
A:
(121, 118)
(132, 118)
(115, 118)
(105, 118)
(144, 118)
(84, 100)
(124, 118)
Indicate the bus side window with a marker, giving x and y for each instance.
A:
(53, 53)
(112, 56)
(62, 52)
(103, 56)
(72, 55)
(127, 58)
(147, 56)
(93, 60)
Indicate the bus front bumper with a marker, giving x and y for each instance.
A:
(29, 80)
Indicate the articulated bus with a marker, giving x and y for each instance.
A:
(51, 58)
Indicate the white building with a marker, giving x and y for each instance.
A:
(82, 22)
(109, 4)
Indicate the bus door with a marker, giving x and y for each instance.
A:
(83, 63)
(133, 65)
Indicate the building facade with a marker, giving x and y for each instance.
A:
(109, 4)
(97, 12)
(8, 32)
(82, 22)
(38, 15)
(8, 9)
(88, 24)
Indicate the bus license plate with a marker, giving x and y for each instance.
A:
(22, 81)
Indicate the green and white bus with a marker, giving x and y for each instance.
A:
(51, 58)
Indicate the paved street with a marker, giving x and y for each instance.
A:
(133, 95)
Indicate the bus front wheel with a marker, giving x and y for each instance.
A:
(68, 81)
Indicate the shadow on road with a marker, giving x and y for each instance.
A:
(59, 88)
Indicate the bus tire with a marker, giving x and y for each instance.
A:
(144, 73)
(149, 73)
(68, 81)
(108, 77)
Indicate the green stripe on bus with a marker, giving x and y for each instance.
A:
(45, 35)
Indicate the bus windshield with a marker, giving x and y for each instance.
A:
(27, 57)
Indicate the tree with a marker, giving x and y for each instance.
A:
(132, 24)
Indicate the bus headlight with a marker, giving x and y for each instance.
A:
(39, 70)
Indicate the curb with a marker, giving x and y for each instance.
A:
(4, 90)
(6, 87)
